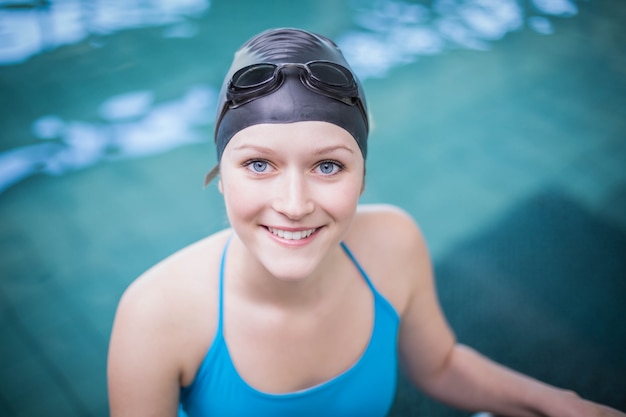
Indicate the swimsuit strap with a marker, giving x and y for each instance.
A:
(358, 266)
(220, 312)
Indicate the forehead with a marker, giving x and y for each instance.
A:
(305, 135)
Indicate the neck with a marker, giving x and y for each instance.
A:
(251, 280)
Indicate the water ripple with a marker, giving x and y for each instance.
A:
(389, 33)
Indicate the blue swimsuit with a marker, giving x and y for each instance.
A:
(365, 389)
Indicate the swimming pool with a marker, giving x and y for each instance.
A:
(498, 124)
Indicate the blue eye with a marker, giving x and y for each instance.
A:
(329, 167)
(257, 166)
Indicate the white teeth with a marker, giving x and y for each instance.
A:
(285, 234)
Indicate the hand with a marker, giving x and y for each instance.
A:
(579, 407)
(598, 410)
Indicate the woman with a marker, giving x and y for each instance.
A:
(306, 304)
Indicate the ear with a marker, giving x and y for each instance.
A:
(220, 186)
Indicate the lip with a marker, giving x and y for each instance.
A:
(271, 230)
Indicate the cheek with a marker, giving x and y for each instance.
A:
(343, 199)
(240, 198)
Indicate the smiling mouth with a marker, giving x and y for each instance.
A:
(289, 235)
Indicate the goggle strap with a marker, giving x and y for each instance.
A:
(211, 175)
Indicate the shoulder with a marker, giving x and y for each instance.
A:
(376, 218)
(174, 279)
(166, 315)
(391, 248)
(386, 231)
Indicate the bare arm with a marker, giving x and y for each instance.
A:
(474, 382)
(143, 379)
(459, 376)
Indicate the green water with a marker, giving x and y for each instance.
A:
(511, 158)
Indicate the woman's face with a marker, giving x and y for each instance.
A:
(291, 192)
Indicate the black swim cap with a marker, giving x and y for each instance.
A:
(292, 101)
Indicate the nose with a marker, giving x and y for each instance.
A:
(293, 197)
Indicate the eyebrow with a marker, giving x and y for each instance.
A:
(260, 149)
(320, 151)
(329, 149)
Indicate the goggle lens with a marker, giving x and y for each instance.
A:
(253, 76)
(329, 74)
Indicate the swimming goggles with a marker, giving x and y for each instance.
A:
(322, 77)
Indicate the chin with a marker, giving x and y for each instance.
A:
(291, 270)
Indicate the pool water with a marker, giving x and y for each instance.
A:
(498, 124)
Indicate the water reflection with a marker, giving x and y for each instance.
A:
(390, 33)
(134, 127)
(397, 32)
(30, 27)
